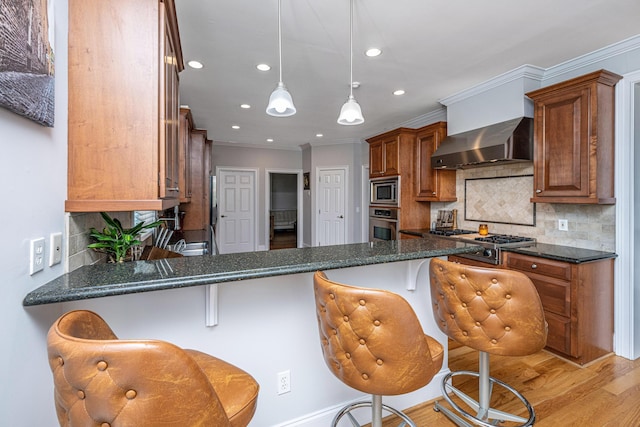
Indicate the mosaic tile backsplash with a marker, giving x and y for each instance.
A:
(590, 226)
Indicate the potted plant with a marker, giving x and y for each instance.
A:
(116, 241)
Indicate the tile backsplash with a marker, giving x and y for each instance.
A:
(590, 226)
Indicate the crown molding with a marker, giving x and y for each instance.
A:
(524, 71)
(595, 57)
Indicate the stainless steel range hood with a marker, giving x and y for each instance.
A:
(510, 141)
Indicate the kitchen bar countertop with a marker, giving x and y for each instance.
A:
(101, 280)
(543, 250)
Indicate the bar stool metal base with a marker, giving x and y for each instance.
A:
(377, 407)
(485, 415)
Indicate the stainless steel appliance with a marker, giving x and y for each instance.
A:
(383, 224)
(384, 191)
(492, 244)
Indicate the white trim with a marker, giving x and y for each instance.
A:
(524, 71)
(267, 203)
(624, 310)
(596, 57)
(365, 199)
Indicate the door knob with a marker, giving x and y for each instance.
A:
(222, 216)
(340, 216)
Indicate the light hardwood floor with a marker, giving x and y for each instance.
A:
(604, 393)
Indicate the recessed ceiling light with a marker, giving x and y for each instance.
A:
(319, 135)
(374, 51)
(195, 64)
(269, 139)
(398, 92)
(245, 106)
(263, 67)
(235, 127)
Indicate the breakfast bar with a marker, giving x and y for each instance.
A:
(102, 280)
(265, 309)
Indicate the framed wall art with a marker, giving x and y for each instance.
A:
(27, 59)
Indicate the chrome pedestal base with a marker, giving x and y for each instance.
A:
(484, 415)
(377, 407)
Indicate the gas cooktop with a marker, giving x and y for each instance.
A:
(451, 232)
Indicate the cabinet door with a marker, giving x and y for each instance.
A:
(562, 144)
(432, 185)
(184, 153)
(390, 157)
(169, 110)
(376, 166)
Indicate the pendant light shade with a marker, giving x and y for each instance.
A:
(351, 113)
(280, 101)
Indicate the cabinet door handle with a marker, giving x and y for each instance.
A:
(433, 193)
(534, 266)
(538, 191)
(223, 216)
(340, 216)
(173, 189)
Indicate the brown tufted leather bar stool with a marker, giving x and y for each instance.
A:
(103, 381)
(372, 341)
(491, 310)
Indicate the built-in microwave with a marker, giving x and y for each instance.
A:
(384, 191)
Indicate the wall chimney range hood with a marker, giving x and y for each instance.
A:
(505, 142)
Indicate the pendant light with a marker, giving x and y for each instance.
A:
(351, 114)
(280, 102)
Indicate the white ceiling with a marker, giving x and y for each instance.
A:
(431, 48)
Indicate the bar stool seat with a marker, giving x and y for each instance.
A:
(102, 380)
(493, 311)
(373, 342)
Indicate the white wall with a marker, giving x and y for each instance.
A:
(34, 172)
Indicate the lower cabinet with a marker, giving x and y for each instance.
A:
(577, 301)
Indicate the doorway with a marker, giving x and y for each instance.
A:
(283, 202)
(332, 199)
(237, 231)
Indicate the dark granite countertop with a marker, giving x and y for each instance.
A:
(563, 253)
(103, 280)
(544, 250)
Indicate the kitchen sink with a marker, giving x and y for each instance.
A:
(191, 249)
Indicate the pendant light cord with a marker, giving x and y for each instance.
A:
(351, 49)
(280, 40)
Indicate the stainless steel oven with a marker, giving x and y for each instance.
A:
(383, 224)
(384, 191)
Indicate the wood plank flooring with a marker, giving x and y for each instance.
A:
(283, 239)
(606, 393)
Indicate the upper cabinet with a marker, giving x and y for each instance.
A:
(574, 140)
(184, 154)
(124, 60)
(432, 185)
(384, 153)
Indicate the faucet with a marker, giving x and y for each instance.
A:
(175, 219)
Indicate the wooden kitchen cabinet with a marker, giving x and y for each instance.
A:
(432, 185)
(385, 152)
(392, 154)
(123, 139)
(197, 211)
(574, 140)
(577, 301)
(184, 154)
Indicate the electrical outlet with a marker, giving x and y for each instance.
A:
(284, 382)
(563, 225)
(36, 255)
(55, 248)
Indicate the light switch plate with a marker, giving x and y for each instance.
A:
(55, 248)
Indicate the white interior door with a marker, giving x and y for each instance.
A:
(332, 197)
(237, 223)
